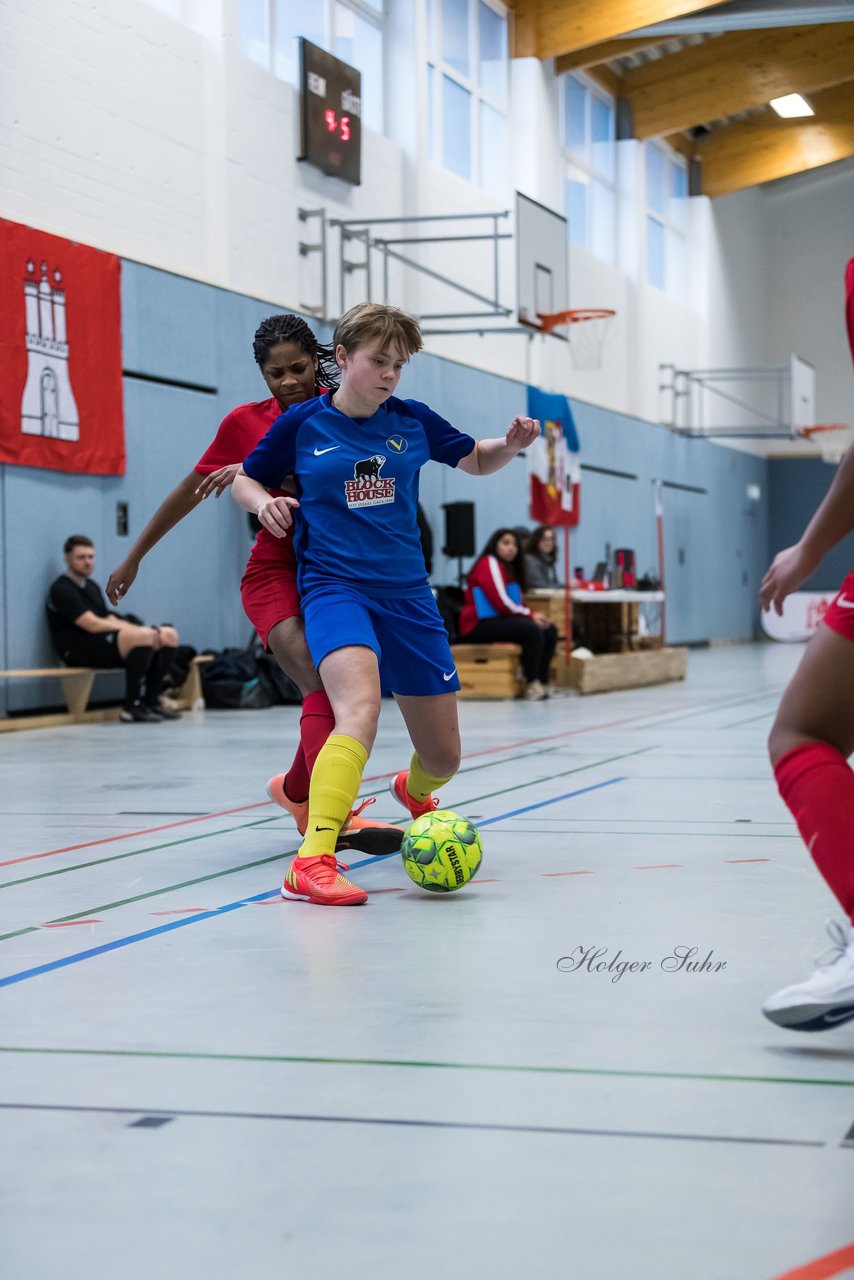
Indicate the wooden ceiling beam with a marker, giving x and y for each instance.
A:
(681, 142)
(607, 79)
(596, 54)
(748, 152)
(549, 28)
(740, 70)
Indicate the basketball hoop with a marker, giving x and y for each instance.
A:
(832, 438)
(592, 325)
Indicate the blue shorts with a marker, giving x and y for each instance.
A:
(407, 635)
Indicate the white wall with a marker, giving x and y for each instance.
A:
(156, 139)
(774, 283)
(810, 236)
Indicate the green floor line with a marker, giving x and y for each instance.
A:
(311, 1060)
(135, 853)
(152, 893)
(564, 773)
(258, 822)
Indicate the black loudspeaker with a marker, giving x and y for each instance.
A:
(459, 529)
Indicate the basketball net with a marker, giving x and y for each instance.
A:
(589, 327)
(832, 438)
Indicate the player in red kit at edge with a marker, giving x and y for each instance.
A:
(812, 739)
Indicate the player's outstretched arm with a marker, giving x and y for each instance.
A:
(489, 456)
(833, 519)
(273, 513)
(183, 499)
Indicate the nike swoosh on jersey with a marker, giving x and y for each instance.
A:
(318, 453)
(845, 604)
(450, 674)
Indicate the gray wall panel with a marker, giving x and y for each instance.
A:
(168, 325)
(798, 486)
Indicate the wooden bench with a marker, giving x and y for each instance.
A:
(488, 670)
(77, 685)
(191, 697)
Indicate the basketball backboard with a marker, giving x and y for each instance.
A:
(542, 261)
(801, 394)
(758, 402)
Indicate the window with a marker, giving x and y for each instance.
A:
(666, 218)
(467, 75)
(351, 29)
(590, 153)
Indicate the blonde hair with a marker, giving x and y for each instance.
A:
(375, 322)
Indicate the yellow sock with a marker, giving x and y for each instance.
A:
(335, 781)
(420, 783)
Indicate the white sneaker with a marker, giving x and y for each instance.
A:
(536, 691)
(827, 998)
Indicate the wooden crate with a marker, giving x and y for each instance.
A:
(608, 626)
(627, 670)
(552, 604)
(488, 670)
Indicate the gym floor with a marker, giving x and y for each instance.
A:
(201, 1080)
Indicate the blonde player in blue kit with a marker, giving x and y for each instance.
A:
(370, 617)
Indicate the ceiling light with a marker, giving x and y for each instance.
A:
(791, 105)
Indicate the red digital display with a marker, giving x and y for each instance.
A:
(337, 124)
(330, 115)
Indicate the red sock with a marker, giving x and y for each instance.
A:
(818, 786)
(315, 725)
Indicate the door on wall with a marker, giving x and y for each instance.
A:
(687, 562)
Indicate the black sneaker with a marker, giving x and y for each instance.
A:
(165, 713)
(139, 713)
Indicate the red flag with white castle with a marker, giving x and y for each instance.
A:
(554, 467)
(60, 354)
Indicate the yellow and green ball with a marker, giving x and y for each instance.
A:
(441, 851)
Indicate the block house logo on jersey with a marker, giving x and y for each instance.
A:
(368, 488)
(60, 354)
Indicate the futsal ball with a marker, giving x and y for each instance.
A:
(441, 851)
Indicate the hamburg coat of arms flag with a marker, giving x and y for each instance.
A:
(554, 467)
(60, 354)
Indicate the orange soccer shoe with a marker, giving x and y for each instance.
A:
(368, 835)
(319, 880)
(297, 810)
(357, 833)
(417, 808)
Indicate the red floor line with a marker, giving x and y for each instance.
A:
(830, 1264)
(130, 835)
(527, 742)
(568, 873)
(378, 777)
(69, 924)
(180, 911)
(275, 902)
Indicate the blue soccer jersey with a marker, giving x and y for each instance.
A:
(357, 484)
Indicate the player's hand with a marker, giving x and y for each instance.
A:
(789, 569)
(275, 515)
(522, 432)
(541, 620)
(121, 580)
(218, 481)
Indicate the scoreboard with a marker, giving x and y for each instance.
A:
(330, 114)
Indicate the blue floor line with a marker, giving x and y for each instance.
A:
(78, 956)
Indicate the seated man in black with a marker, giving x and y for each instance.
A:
(86, 634)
